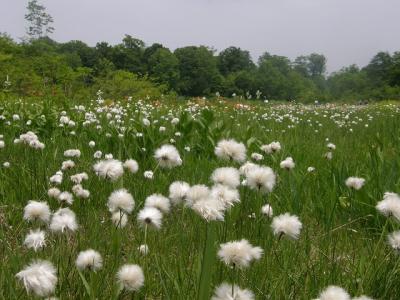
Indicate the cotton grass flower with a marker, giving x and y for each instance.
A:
(80, 192)
(130, 277)
(111, 169)
(72, 153)
(65, 198)
(226, 176)
(355, 182)
(143, 249)
(53, 192)
(63, 219)
(334, 293)
(168, 157)
(121, 200)
(131, 165)
(178, 191)
(230, 150)
(257, 156)
(331, 146)
(67, 165)
(36, 239)
(239, 253)
(310, 169)
(158, 201)
(196, 193)
(36, 210)
(271, 148)
(267, 211)
(148, 174)
(390, 205)
(89, 260)
(78, 178)
(119, 220)
(261, 178)
(394, 240)
(224, 292)
(227, 196)
(288, 225)
(287, 163)
(57, 178)
(247, 167)
(39, 277)
(150, 216)
(209, 209)
(328, 155)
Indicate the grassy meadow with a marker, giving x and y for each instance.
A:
(343, 239)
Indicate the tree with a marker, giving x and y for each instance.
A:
(234, 59)
(379, 68)
(39, 21)
(198, 71)
(316, 65)
(163, 66)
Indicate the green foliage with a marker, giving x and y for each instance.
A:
(39, 21)
(120, 84)
(198, 71)
(42, 66)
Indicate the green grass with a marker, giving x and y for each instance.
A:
(341, 228)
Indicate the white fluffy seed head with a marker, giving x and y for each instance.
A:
(39, 277)
(224, 292)
(150, 216)
(131, 165)
(158, 201)
(78, 178)
(286, 225)
(390, 205)
(247, 167)
(72, 153)
(130, 277)
(119, 219)
(36, 210)
(355, 182)
(226, 176)
(65, 198)
(178, 191)
(394, 240)
(121, 200)
(230, 150)
(334, 293)
(210, 209)
(89, 260)
(287, 163)
(267, 211)
(36, 239)
(53, 192)
(168, 157)
(271, 148)
(196, 193)
(239, 253)
(67, 165)
(261, 178)
(111, 169)
(143, 249)
(226, 195)
(63, 219)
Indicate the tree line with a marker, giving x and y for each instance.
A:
(39, 65)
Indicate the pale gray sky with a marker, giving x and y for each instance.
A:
(346, 31)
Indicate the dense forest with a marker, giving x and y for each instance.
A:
(38, 65)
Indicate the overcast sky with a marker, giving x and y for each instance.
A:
(345, 31)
